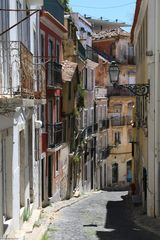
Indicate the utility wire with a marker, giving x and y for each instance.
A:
(117, 6)
(18, 23)
(17, 10)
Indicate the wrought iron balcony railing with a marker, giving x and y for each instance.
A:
(21, 74)
(121, 120)
(54, 74)
(55, 134)
(81, 51)
(16, 70)
(112, 91)
(118, 121)
(91, 54)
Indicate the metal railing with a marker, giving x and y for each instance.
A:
(55, 134)
(88, 53)
(54, 73)
(81, 50)
(121, 120)
(21, 74)
(113, 91)
(91, 54)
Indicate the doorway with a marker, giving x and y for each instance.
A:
(105, 175)
(129, 171)
(115, 173)
(22, 168)
(50, 176)
(42, 178)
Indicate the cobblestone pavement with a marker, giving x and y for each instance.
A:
(103, 215)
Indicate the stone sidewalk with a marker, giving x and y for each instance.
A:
(148, 223)
(38, 224)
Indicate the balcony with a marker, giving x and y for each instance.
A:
(16, 70)
(103, 54)
(40, 75)
(118, 121)
(55, 9)
(54, 74)
(22, 78)
(81, 51)
(91, 54)
(121, 120)
(55, 135)
(112, 91)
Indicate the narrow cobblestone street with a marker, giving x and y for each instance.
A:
(103, 215)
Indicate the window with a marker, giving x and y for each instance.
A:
(57, 108)
(50, 112)
(57, 158)
(43, 115)
(50, 56)
(117, 138)
(69, 91)
(37, 144)
(85, 79)
(42, 48)
(64, 130)
(50, 49)
(28, 27)
(19, 18)
(92, 79)
(69, 121)
(130, 138)
(117, 108)
(91, 116)
(58, 53)
(85, 118)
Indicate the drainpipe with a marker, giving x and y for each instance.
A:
(157, 112)
(1, 199)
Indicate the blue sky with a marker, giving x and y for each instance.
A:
(123, 10)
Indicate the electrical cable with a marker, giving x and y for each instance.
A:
(118, 6)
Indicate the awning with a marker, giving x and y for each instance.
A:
(68, 70)
(91, 64)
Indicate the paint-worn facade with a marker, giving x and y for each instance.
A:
(22, 93)
(52, 30)
(145, 37)
(115, 45)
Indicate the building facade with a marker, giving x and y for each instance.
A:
(145, 25)
(114, 45)
(21, 81)
(52, 30)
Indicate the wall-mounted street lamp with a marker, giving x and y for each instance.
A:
(136, 89)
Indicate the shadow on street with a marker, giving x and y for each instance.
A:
(120, 226)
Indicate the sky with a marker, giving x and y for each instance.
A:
(123, 10)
